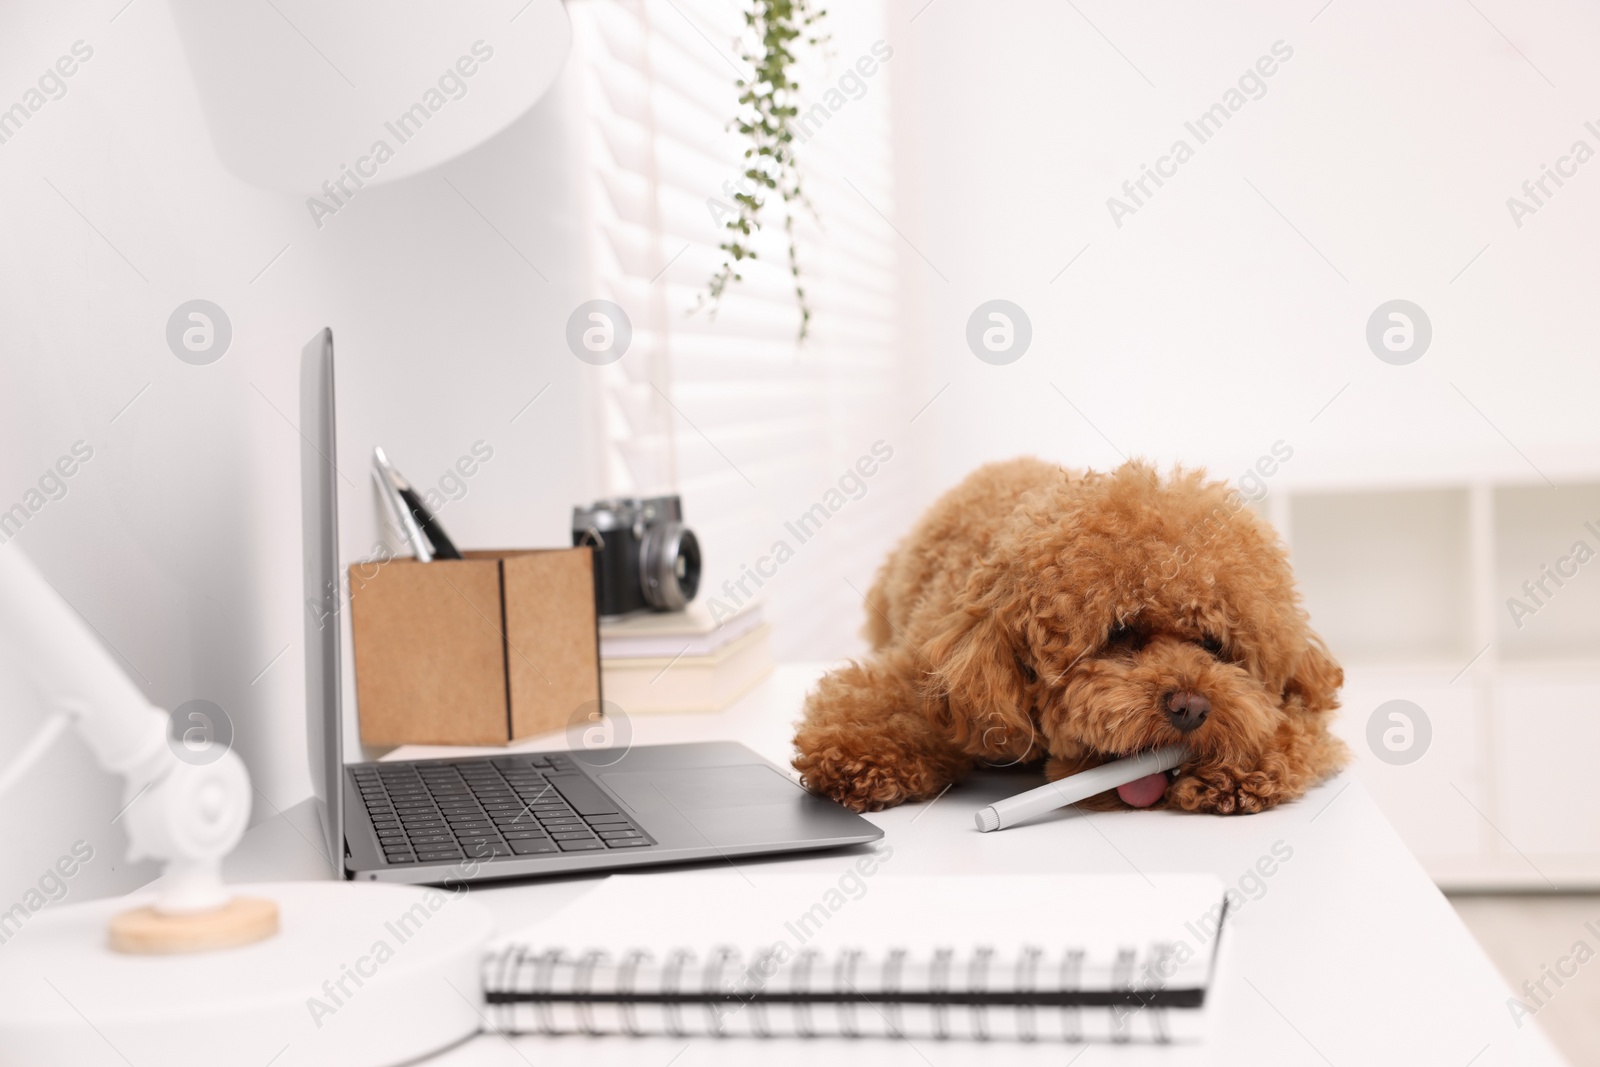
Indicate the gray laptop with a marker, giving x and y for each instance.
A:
(520, 813)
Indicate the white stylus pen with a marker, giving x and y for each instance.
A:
(1076, 787)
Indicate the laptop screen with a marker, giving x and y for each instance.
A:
(319, 519)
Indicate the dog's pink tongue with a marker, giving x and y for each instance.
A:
(1143, 792)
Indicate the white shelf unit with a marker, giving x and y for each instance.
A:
(1409, 585)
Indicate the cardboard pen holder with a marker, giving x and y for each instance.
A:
(484, 650)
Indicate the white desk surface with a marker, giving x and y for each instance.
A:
(1348, 955)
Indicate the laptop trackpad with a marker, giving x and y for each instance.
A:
(723, 805)
(704, 787)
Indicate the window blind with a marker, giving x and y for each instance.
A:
(755, 431)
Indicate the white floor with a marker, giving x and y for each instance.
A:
(1537, 937)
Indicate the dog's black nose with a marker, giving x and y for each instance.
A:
(1187, 710)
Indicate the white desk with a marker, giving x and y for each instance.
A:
(1347, 956)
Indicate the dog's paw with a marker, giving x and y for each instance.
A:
(862, 783)
(1224, 792)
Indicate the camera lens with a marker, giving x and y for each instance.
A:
(669, 566)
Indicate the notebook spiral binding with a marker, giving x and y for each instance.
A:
(977, 995)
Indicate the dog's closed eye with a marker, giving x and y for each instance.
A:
(1123, 636)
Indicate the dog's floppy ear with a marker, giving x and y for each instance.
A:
(1316, 678)
(981, 700)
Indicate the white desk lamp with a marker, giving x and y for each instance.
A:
(298, 94)
(186, 816)
(193, 974)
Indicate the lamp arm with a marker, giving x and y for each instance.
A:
(186, 815)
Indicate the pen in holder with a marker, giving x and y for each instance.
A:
(409, 514)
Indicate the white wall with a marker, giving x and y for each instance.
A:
(1206, 327)
(179, 540)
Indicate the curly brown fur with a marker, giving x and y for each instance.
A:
(1037, 613)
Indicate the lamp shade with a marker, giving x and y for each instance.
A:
(299, 93)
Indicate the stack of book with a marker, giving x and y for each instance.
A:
(682, 660)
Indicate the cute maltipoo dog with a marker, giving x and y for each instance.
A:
(1038, 613)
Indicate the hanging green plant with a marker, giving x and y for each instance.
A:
(767, 103)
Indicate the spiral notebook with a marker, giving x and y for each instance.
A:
(1002, 957)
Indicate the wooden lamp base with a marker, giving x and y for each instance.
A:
(148, 932)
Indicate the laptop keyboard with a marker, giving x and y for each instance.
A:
(508, 806)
